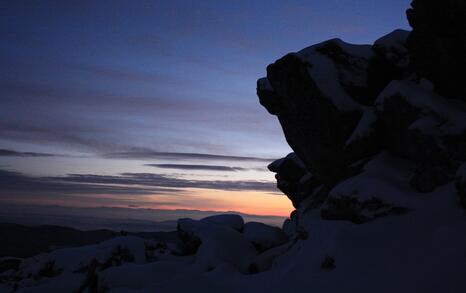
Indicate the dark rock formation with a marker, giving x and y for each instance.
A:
(461, 186)
(390, 62)
(318, 119)
(340, 105)
(293, 178)
(438, 42)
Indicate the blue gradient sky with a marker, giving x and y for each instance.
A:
(107, 87)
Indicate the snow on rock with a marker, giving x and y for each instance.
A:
(320, 96)
(365, 127)
(223, 245)
(453, 113)
(416, 249)
(72, 259)
(192, 233)
(333, 65)
(264, 236)
(427, 129)
(384, 177)
(265, 260)
(293, 178)
(233, 221)
(69, 269)
(393, 47)
(395, 40)
(381, 189)
(216, 243)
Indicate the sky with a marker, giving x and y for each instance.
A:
(152, 104)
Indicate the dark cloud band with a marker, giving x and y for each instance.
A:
(15, 183)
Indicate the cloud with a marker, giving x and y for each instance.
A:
(197, 167)
(151, 154)
(12, 153)
(82, 137)
(163, 181)
(15, 183)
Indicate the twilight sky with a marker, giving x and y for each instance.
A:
(152, 104)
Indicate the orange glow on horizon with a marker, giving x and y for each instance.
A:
(248, 202)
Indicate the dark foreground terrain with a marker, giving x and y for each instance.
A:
(25, 241)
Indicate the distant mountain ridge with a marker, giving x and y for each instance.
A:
(26, 241)
(111, 218)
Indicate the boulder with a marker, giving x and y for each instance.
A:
(222, 245)
(215, 243)
(233, 221)
(293, 178)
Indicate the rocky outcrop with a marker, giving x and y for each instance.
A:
(438, 42)
(419, 125)
(340, 105)
(318, 95)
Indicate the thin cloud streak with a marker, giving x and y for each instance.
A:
(12, 153)
(15, 183)
(158, 180)
(197, 167)
(149, 154)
